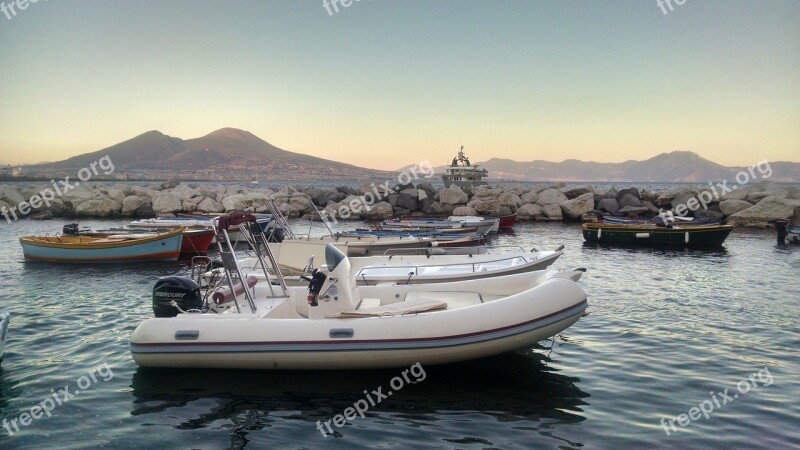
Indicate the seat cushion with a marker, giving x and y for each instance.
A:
(394, 309)
(453, 299)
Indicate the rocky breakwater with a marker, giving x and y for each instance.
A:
(755, 204)
(124, 200)
(758, 203)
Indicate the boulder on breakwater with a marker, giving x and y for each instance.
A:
(754, 204)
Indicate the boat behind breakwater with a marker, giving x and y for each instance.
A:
(463, 174)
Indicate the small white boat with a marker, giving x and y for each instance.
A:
(335, 324)
(419, 269)
(294, 253)
(433, 271)
(793, 234)
(4, 320)
(470, 221)
(172, 222)
(479, 225)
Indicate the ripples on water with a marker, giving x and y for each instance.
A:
(666, 328)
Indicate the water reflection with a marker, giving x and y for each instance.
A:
(507, 388)
(7, 389)
(655, 251)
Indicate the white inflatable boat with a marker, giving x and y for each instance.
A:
(335, 324)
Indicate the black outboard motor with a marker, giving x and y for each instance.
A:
(277, 236)
(184, 291)
(314, 285)
(215, 264)
(271, 230)
(70, 229)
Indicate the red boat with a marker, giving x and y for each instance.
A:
(507, 222)
(196, 241)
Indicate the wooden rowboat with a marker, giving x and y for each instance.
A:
(107, 249)
(650, 234)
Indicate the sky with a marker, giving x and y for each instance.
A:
(387, 83)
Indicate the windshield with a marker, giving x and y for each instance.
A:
(333, 256)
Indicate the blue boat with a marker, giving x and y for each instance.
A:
(106, 249)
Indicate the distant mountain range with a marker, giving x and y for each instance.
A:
(677, 166)
(236, 153)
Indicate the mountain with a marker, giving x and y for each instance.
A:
(677, 166)
(142, 152)
(236, 153)
(230, 153)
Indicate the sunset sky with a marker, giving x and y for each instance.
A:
(385, 83)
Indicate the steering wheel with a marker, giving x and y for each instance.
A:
(313, 278)
(307, 268)
(309, 279)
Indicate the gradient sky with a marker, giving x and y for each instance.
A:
(385, 83)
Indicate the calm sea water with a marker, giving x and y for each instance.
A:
(668, 330)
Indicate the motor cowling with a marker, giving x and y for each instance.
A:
(184, 291)
(70, 229)
(215, 264)
(278, 236)
(271, 230)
